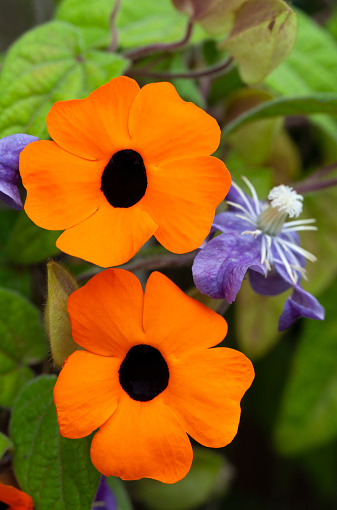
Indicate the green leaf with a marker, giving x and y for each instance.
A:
(91, 16)
(308, 414)
(263, 36)
(22, 337)
(306, 105)
(30, 244)
(11, 383)
(49, 64)
(311, 67)
(148, 22)
(120, 493)
(55, 471)
(5, 444)
(208, 474)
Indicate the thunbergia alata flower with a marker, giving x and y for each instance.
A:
(257, 238)
(10, 149)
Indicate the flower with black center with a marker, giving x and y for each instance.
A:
(147, 376)
(256, 238)
(125, 164)
(14, 499)
(10, 149)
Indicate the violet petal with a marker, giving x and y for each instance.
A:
(220, 267)
(104, 499)
(10, 149)
(271, 285)
(300, 304)
(230, 223)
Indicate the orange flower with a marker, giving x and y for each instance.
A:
(147, 377)
(125, 164)
(15, 499)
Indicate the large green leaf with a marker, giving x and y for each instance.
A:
(55, 471)
(22, 341)
(308, 415)
(45, 65)
(29, 244)
(311, 67)
(5, 444)
(305, 105)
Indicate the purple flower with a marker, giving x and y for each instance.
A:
(104, 499)
(10, 149)
(256, 238)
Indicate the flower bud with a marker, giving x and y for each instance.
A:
(60, 285)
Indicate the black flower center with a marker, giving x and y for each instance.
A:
(143, 373)
(3, 506)
(124, 180)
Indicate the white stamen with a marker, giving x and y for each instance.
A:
(245, 218)
(298, 222)
(286, 199)
(299, 250)
(239, 206)
(253, 192)
(292, 274)
(244, 198)
(297, 229)
(254, 233)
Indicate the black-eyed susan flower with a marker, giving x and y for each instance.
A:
(125, 164)
(14, 498)
(147, 377)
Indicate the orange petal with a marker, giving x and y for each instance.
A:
(163, 127)
(175, 323)
(182, 199)
(86, 393)
(98, 125)
(205, 390)
(142, 439)
(109, 237)
(106, 314)
(16, 499)
(62, 189)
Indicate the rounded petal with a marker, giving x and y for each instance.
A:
(142, 439)
(182, 199)
(86, 393)
(205, 390)
(220, 267)
(163, 127)
(300, 304)
(175, 323)
(97, 126)
(16, 499)
(110, 237)
(62, 189)
(269, 285)
(106, 314)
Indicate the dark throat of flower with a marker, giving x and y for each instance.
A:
(124, 179)
(144, 373)
(3, 506)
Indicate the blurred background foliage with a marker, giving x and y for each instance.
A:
(280, 128)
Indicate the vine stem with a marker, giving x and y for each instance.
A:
(114, 34)
(315, 181)
(212, 71)
(148, 264)
(155, 48)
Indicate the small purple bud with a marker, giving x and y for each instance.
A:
(104, 499)
(10, 149)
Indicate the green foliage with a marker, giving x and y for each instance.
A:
(29, 244)
(308, 415)
(55, 471)
(208, 475)
(22, 342)
(306, 105)
(49, 64)
(5, 444)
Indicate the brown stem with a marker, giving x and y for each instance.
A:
(148, 264)
(155, 48)
(313, 185)
(114, 33)
(212, 71)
